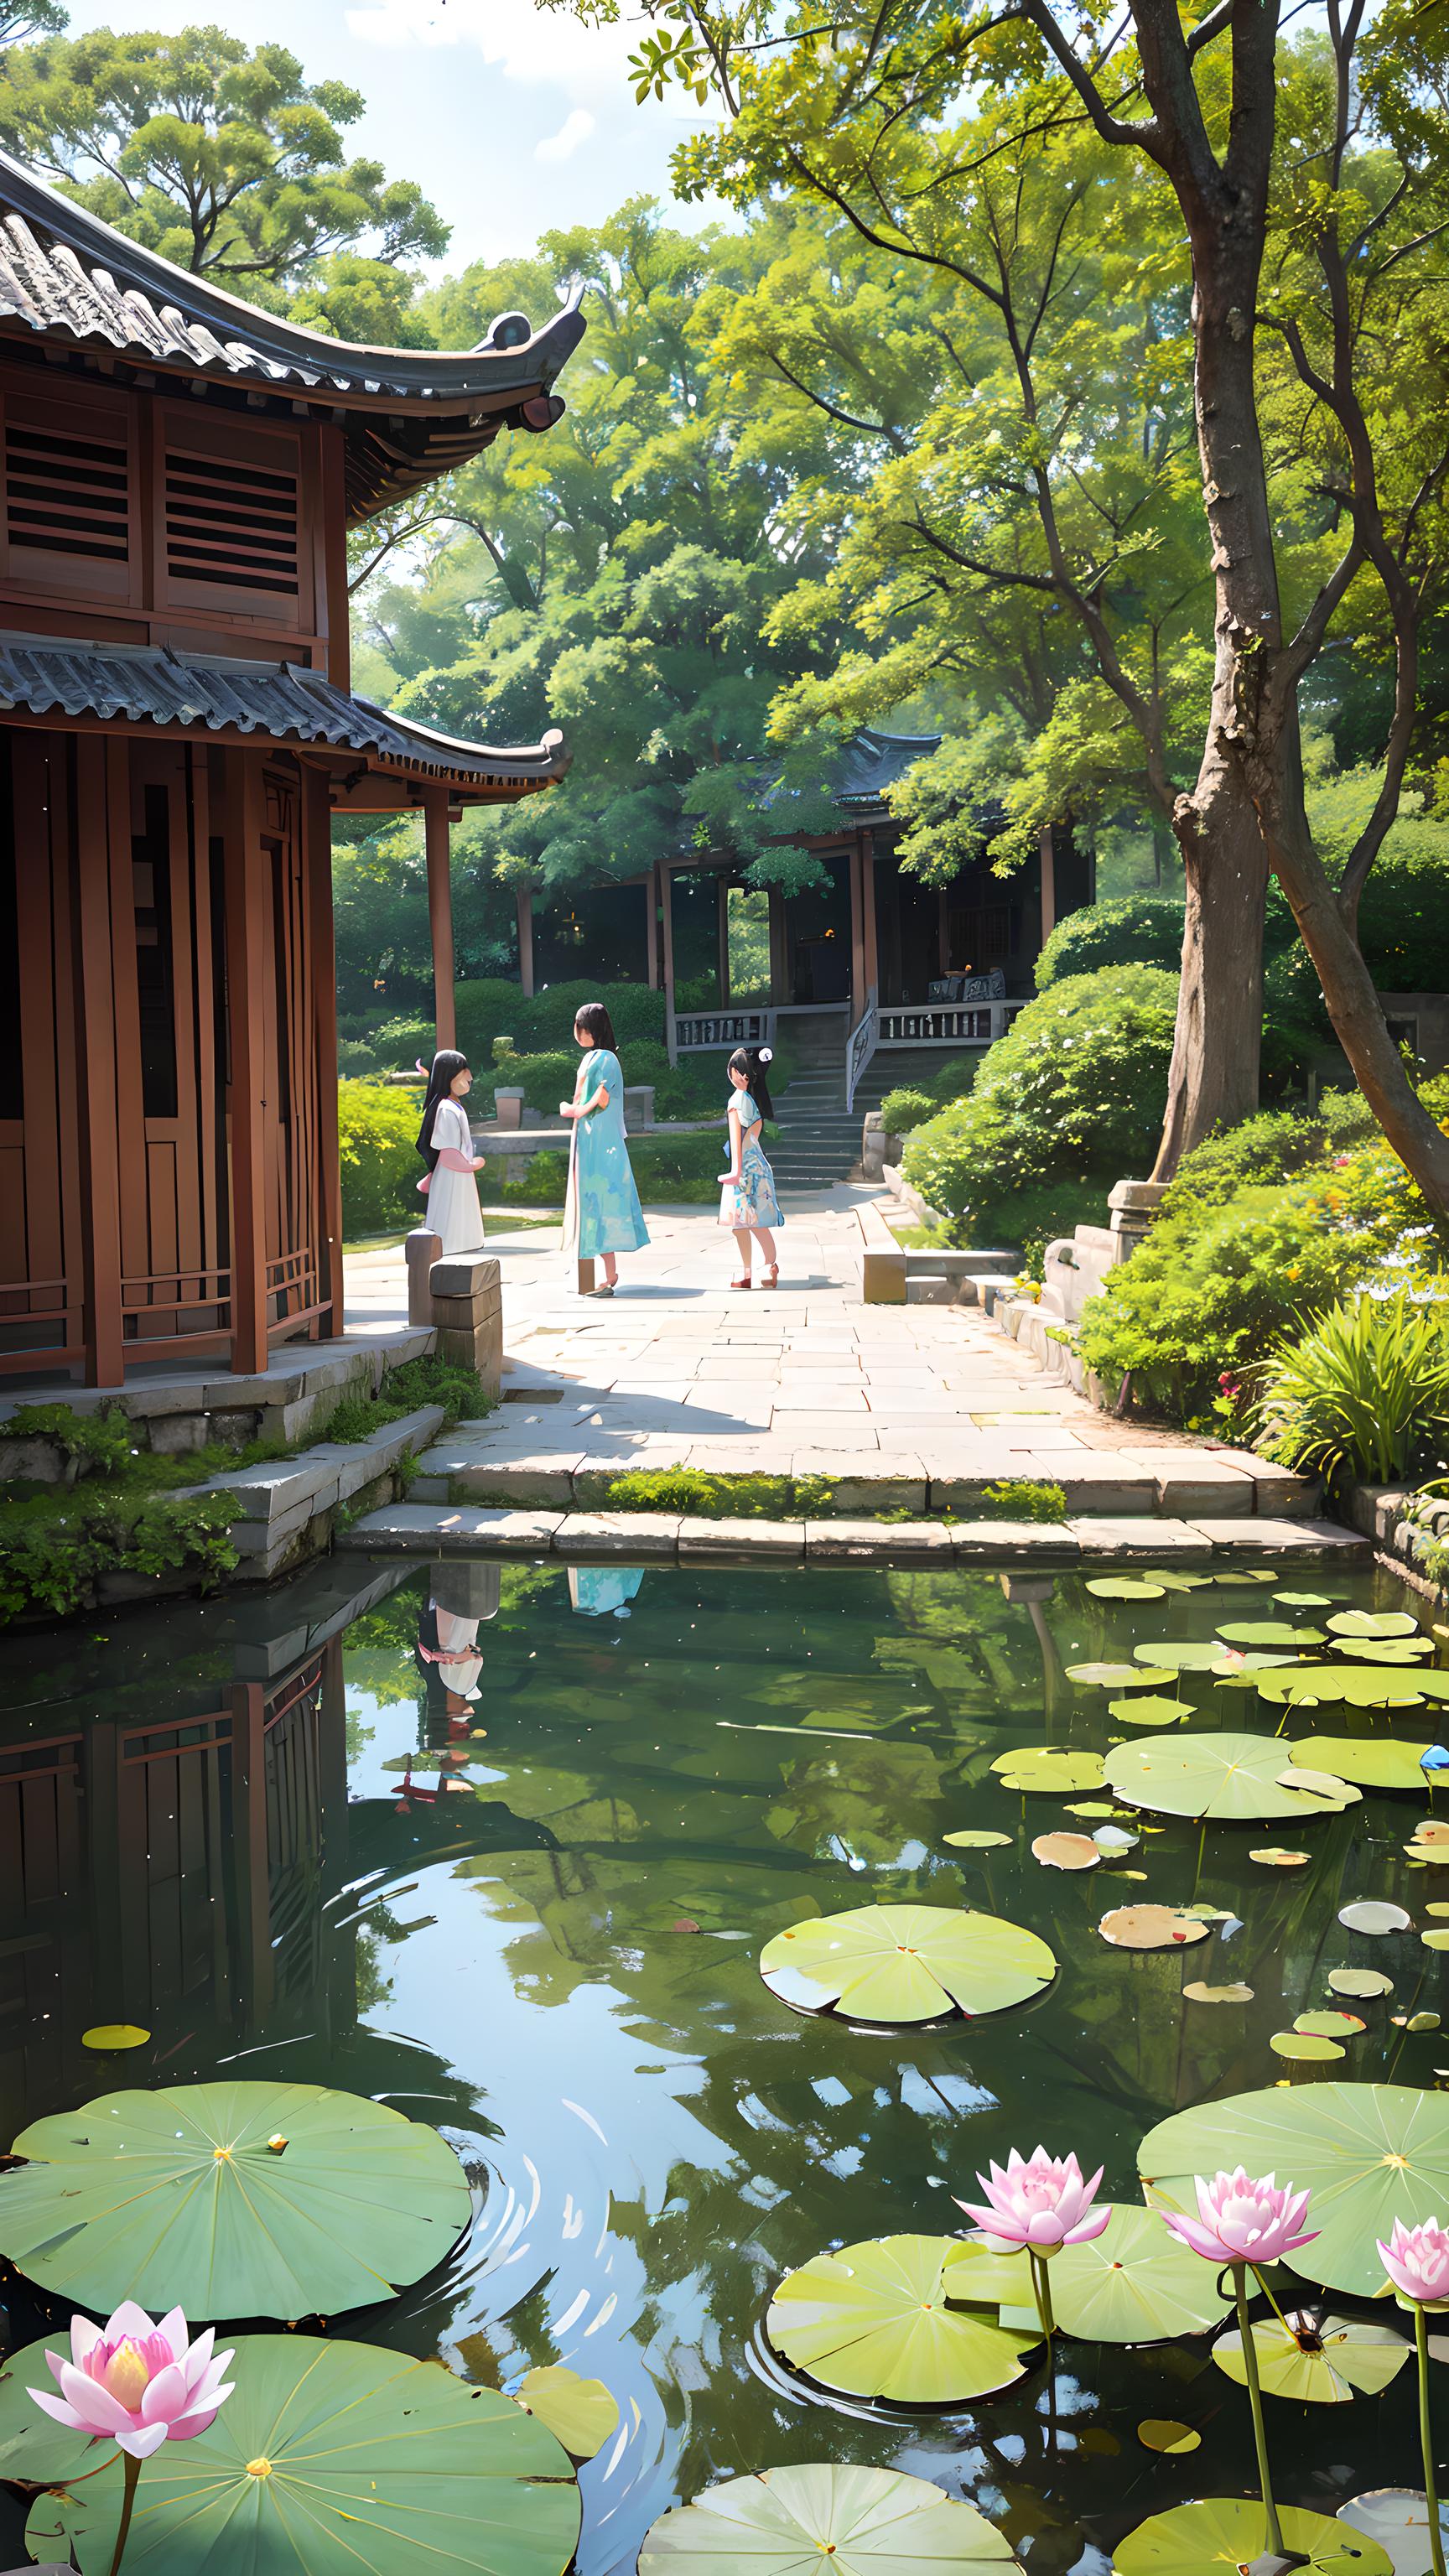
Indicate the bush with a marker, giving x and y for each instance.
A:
(377, 1132)
(907, 1108)
(1360, 1392)
(1129, 930)
(1067, 1102)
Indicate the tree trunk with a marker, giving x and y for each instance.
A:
(1215, 1050)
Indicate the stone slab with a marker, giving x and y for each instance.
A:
(771, 1540)
(881, 1541)
(1265, 1536)
(997, 1542)
(1114, 1534)
(415, 1529)
(630, 1534)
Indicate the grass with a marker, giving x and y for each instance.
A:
(759, 1497)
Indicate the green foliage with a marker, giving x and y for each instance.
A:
(96, 1443)
(377, 1130)
(1023, 1498)
(224, 159)
(1360, 1391)
(689, 1489)
(52, 1553)
(906, 1108)
(543, 1183)
(434, 1380)
(1128, 930)
(1063, 1105)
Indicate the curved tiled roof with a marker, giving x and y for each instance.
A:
(281, 701)
(71, 278)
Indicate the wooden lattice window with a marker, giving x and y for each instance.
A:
(230, 520)
(69, 501)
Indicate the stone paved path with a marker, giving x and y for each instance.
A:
(909, 1404)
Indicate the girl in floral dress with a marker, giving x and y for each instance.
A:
(748, 1205)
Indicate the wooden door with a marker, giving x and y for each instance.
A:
(41, 1293)
(290, 1058)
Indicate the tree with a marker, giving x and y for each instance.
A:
(21, 19)
(1310, 181)
(223, 158)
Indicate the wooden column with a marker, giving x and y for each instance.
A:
(867, 900)
(525, 941)
(857, 930)
(239, 808)
(722, 936)
(666, 914)
(438, 842)
(317, 849)
(250, 1857)
(100, 1175)
(779, 948)
(1048, 848)
(651, 929)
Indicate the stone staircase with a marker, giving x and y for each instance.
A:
(818, 1143)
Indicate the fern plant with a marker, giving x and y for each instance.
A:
(1359, 1389)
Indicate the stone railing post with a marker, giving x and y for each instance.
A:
(1134, 1204)
(423, 1249)
(467, 1309)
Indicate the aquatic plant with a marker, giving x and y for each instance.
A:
(137, 2384)
(1038, 2204)
(1416, 2260)
(1244, 2223)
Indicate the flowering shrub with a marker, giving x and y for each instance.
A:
(1070, 1099)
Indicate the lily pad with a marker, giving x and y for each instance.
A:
(1362, 1983)
(1151, 1927)
(580, 2413)
(1374, 1762)
(1315, 2361)
(1273, 1856)
(1230, 2531)
(342, 2459)
(235, 2200)
(1150, 1710)
(1114, 1676)
(1066, 1851)
(1193, 1655)
(1201, 1994)
(111, 2036)
(874, 2321)
(1360, 1685)
(1369, 2153)
(1269, 1632)
(1330, 2025)
(1125, 1587)
(1304, 2047)
(1159, 2433)
(975, 1838)
(906, 1963)
(1132, 2284)
(1437, 1938)
(1398, 2520)
(1173, 1578)
(782, 2520)
(1374, 1914)
(1373, 1623)
(33, 2446)
(1386, 1650)
(1049, 1770)
(1225, 1779)
(1303, 1600)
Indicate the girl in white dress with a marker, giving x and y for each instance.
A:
(445, 1142)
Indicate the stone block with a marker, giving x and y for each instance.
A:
(1203, 1486)
(522, 1481)
(172, 1434)
(1111, 1535)
(410, 1529)
(422, 1249)
(1261, 1536)
(883, 1278)
(40, 1462)
(1051, 1542)
(900, 1483)
(879, 1542)
(628, 1534)
(763, 1540)
(469, 1587)
(1283, 1495)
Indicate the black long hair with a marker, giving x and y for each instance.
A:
(751, 1062)
(447, 1065)
(594, 1018)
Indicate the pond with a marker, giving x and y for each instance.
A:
(281, 1837)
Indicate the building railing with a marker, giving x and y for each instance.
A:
(947, 1024)
(862, 1047)
(692, 1032)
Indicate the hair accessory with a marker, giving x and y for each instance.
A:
(420, 1066)
(764, 1055)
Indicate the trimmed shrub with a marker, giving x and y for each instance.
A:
(1070, 1099)
(1127, 930)
(381, 1167)
(907, 1108)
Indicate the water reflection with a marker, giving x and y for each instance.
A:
(286, 1837)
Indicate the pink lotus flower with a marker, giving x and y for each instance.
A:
(1242, 2221)
(1416, 2260)
(135, 2383)
(1041, 2202)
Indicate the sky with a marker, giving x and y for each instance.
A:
(513, 117)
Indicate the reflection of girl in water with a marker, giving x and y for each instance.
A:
(448, 1656)
(593, 1589)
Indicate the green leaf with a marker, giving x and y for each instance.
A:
(1227, 2532)
(1150, 1710)
(1373, 1623)
(1195, 1655)
(1303, 1600)
(373, 2462)
(1392, 1650)
(1049, 1770)
(1124, 1587)
(975, 1838)
(1362, 1686)
(866, 2522)
(232, 2200)
(1173, 1579)
(1369, 2153)
(906, 1963)
(874, 2321)
(1316, 2362)
(1375, 1762)
(1163, 2433)
(1227, 1779)
(1363, 1983)
(1115, 1676)
(1269, 1632)
(1304, 2047)
(1133, 2284)
(49, 2452)
(580, 2413)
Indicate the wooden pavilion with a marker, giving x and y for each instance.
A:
(176, 730)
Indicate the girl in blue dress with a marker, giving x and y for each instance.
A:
(748, 1204)
(603, 1216)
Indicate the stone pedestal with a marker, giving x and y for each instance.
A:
(1134, 1204)
(638, 1107)
(467, 1309)
(423, 1249)
(872, 1145)
(467, 1587)
(508, 1107)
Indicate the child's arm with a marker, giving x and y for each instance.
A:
(737, 1145)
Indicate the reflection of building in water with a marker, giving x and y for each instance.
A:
(593, 1589)
(170, 1869)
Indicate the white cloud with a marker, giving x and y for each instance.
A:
(576, 128)
(524, 41)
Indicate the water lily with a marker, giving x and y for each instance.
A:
(1416, 2260)
(1039, 2203)
(1242, 2222)
(137, 2384)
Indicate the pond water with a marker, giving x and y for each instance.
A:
(269, 1833)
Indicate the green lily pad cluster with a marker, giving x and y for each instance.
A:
(906, 1963)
